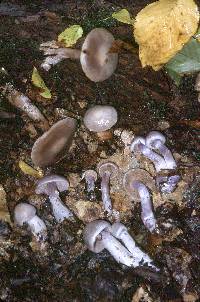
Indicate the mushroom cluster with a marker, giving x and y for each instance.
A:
(25, 213)
(100, 234)
(98, 64)
(154, 148)
(139, 184)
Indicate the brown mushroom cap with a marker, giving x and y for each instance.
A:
(137, 175)
(110, 167)
(97, 63)
(47, 148)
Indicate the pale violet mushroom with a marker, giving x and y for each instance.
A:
(97, 62)
(49, 147)
(90, 177)
(120, 232)
(23, 103)
(107, 171)
(97, 236)
(138, 145)
(167, 184)
(51, 185)
(137, 184)
(156, 141)
(25, 213)
(100, 118)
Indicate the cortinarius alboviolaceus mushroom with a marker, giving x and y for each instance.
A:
(97, 62)
(47, 148)
(51, 185)
(107, 171)
(26, 213)
(136, 183)
(156, 141)
(100, 118)
(139, 145)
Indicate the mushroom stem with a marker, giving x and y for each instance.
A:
(106, 192)
(121, 233)
(55, 55)
(26, 213)
(166, 153)
(90, 181)
(60, 211)
(167, 184)
(147, 214)
(157, 160)
(37, 227)
(22, 102)
(117, 250)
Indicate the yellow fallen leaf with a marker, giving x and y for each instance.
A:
(4, 213)
(162, 28)
(38, 82)
(123, 16)
(26, 169)
(71, 35)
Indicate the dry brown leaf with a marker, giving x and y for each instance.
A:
(162, 28)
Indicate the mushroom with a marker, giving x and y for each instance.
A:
(137, 184)
(22, 102)
(139, 145)
(156, 140)
(120, 232)
(100, 118)
(167, 184)
(97, 62)
(56, 55)
(90, 178)
(47, 148)
(26, 213)
(97, 236)
(51, 185)
(107, 171)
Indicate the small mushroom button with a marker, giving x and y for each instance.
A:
(26, 213)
